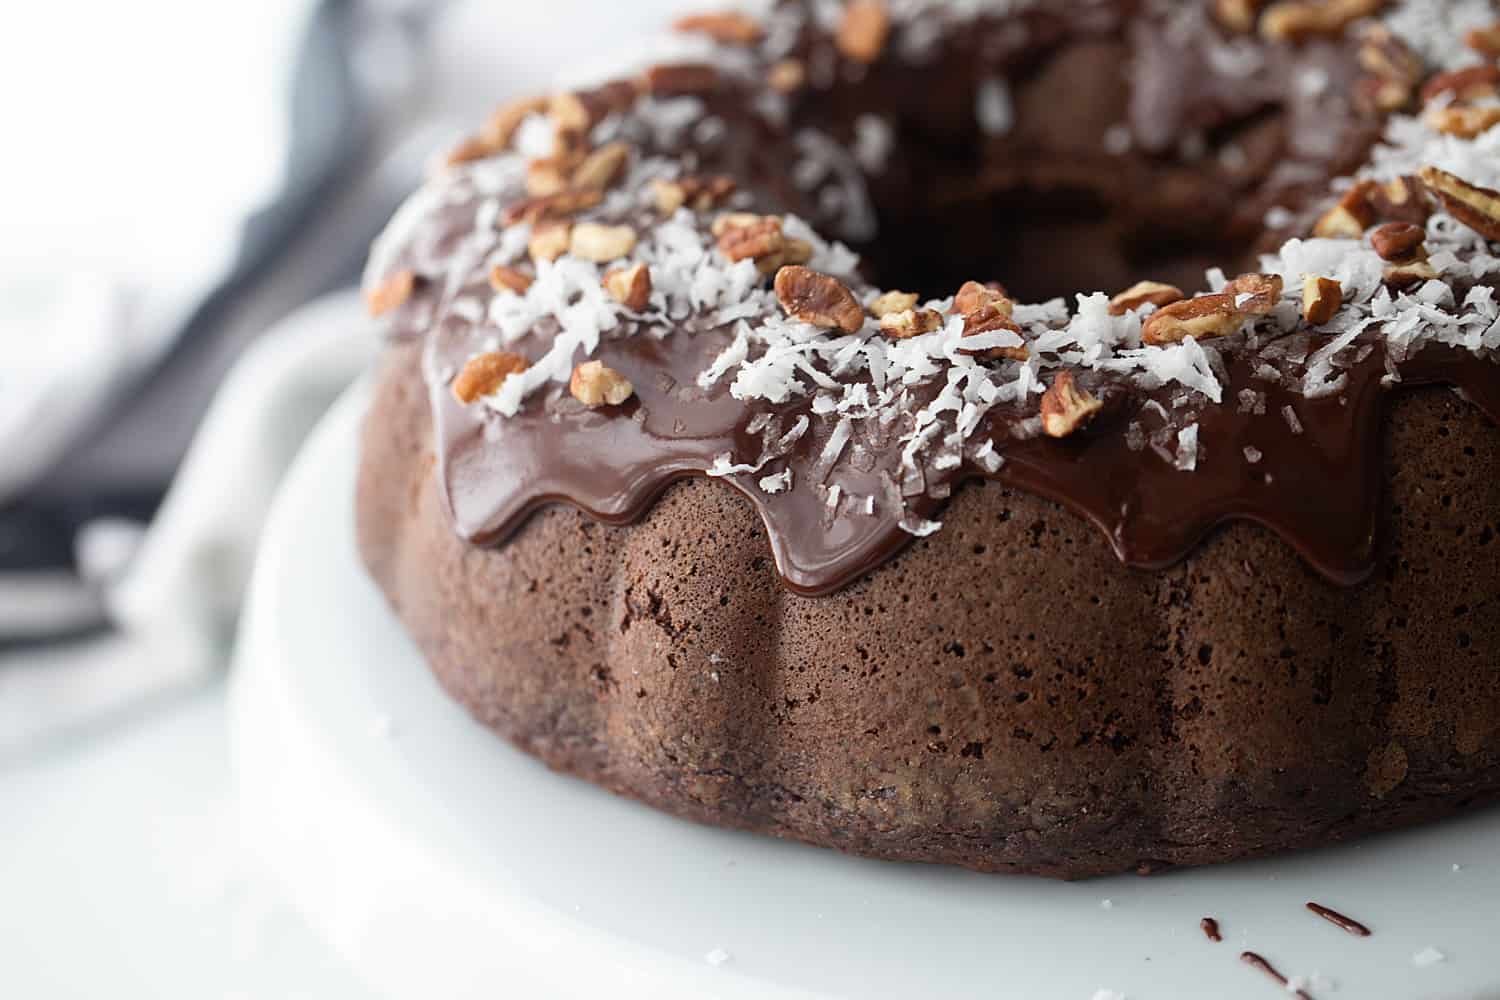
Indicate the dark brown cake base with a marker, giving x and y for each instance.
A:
(1003, 695)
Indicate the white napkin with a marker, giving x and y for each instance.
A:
(141, 159)
(177, 601)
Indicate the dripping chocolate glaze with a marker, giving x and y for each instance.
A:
(1318, 488)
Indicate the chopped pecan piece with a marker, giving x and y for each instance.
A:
(1398, 241)
(1350, 217)
(630, 286)
(1388, 57)
(729, 27)
(501, 128)
(570, 112)
(597, 242)
(551, 206)
(991, 318)
(1201, 318)
(702, 193)
(670, 195)
(601, 168)
(483, 374)
(1485, 41)
(910, 323)
(1321, 298)
(794, 252)
(863, 31)
(1238, 15)
(681, 79)
(1402, 199)
(468, 150)
(787, 76)
(1065, 407)
(1379, 95)
(549, 240)
(577, 111)
(1476, 207)
(1141, 293)
(1298, 20)
(392, 292)
(508, 279)
(1471, 83)
(973, 296)
(547, 176)
(743, 236)
(819, 299)
(596, 384)
(1411, 272)
(1255, 294)
(1463, 120)
(893, 302)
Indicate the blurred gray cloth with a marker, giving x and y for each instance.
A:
(368, 89)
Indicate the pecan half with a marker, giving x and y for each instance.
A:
(552, 206)
(728, 27)
(392, 292)
(1321, 298)
(630, 286)
(1398, 241)
(1201, 318)
(1141, 293)
(819, 299)
(893, 302)
(1298, 20)
(483, 374)
(863, 31)
(549, 240)
(1065, 407)
(1476, 207)
(910, 323)
(594, 241)
(681, 79)
(596, 384)
(508, 279)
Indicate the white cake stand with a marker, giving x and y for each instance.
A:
(441, 863)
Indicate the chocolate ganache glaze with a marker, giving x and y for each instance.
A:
(952, 162)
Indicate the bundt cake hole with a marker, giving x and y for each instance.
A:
(1046, 243)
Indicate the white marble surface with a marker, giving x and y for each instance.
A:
(122, 874)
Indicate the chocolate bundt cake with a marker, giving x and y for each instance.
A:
(1070, 555)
